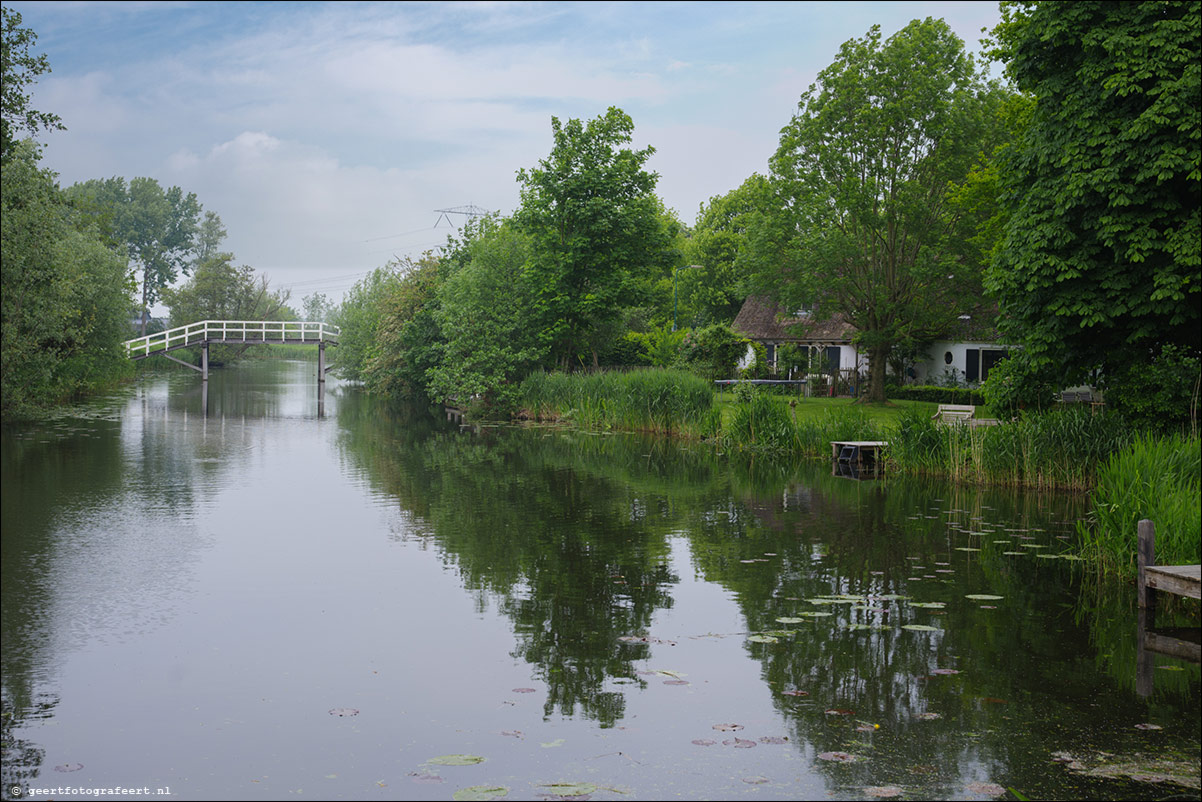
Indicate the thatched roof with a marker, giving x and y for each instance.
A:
(762, 320)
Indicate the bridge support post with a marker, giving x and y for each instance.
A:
(321, 364)
(204, 360)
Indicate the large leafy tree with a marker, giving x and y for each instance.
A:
(866, 228)
(20, 69)
(594, 221)
(66, 295)
(483, 314)
(157, 227)
(714, 288)
(1099, 265)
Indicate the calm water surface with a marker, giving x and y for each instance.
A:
(262, 602)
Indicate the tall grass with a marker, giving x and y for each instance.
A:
(1153, 477)
(760, 422)
(643, 400)
(1060, 449)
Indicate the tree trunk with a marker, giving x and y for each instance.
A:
(878, 360)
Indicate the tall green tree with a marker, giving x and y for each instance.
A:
(483, 313)
(66, 295)
(864, 227)
(1099, 264)
(20, 69)
(220, 290)
(157, 227)
(714, 290)
(590, 210)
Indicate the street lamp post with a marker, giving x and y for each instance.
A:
(674, 304)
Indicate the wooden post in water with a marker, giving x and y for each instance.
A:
(321, 363)
(204, 360)
(1146, 558)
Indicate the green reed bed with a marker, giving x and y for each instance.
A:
(1153, 477)
(1060, 449)
(641, 400)
(758, 421)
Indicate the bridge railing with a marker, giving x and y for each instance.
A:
(232, 331)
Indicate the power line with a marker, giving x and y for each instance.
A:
(471, 210)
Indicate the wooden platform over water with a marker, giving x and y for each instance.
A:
(858, 452)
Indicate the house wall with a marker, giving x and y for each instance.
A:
(932, 369)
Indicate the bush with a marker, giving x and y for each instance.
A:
(1161, 396)
(937, 395)
(714, 352)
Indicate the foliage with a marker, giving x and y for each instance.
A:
(715, 289)
(1100, 261)
(21, 69)
(66, 296)
(317, 308)
(483, 314)
(359, 318)
(867, 226)
(1159, 393)
(157, 227)
(714, 351)
(221, 290)
(938, 395)
(1154, 477)
(1016, 384)
(594, 223)
(661, 346)
(760, 367)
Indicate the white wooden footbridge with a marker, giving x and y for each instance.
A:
(235, 332)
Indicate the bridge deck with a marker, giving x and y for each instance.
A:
(233, 332)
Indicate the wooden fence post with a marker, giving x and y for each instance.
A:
(1146, 556)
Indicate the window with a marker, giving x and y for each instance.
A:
(978, 363)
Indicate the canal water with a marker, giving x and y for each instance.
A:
(243, 594)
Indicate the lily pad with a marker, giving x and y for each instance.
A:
(795, 693)
(523, 690)
(728, 727)
(966, 548)
(344, 711)
(920, 628)
(739, 743)
(756, 780)
(773, 739)
(456, 760)
(570, 789)
(944, 671)
(929, 605)
(1148, 727)
(983, 597)
(478, 793)
(77, 766)
(763, 639)
(790, 620)
(838, 757)
(704, 741)
(988, 789)
(928, 716)
(883, 791)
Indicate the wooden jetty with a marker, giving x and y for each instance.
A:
(1182, 580)
(861, 453)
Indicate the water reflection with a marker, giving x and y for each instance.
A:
(228, 578)
(860, 591)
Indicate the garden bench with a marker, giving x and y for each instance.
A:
(954, 413)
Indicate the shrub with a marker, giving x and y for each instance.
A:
(938, 395)
(713, 352)
(1160, 396)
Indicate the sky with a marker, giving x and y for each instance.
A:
(326, 135)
